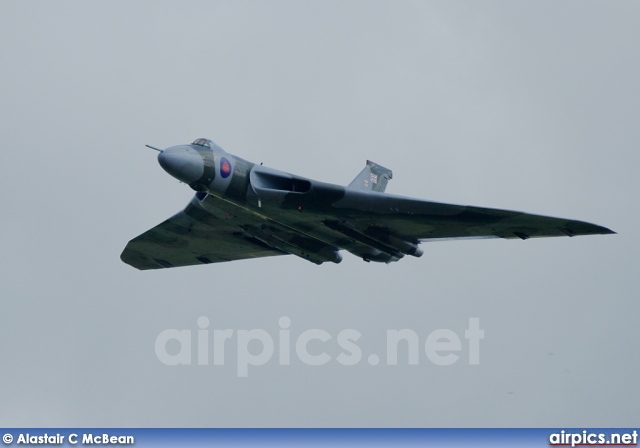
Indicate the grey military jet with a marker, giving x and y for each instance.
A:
(244, 210)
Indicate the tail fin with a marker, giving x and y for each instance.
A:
(372, 178)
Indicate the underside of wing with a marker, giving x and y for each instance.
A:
(371, 225)
(423, 220)
(381, 227)
(192, 237)
(476, 222)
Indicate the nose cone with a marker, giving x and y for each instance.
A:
(183, 163)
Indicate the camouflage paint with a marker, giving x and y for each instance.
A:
(256, 211)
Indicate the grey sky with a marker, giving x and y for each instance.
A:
(531, 106)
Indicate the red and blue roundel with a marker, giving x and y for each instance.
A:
(225, 168)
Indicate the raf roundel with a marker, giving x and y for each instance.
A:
(225, 168)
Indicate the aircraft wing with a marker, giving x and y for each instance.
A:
(192, 237)
(371, 225)
(419, 220)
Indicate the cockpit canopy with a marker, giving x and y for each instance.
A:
(203, 142)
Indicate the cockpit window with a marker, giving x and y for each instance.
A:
(203, 142)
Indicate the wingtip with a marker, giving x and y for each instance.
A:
(600, 230)
(584, 228)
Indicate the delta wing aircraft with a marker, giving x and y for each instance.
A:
(244, 210)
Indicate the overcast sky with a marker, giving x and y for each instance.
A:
(530, 106)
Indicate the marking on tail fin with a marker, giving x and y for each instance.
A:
(373, 177)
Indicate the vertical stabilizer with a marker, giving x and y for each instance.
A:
(372, 178)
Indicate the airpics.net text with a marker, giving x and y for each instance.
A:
(256, 347)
